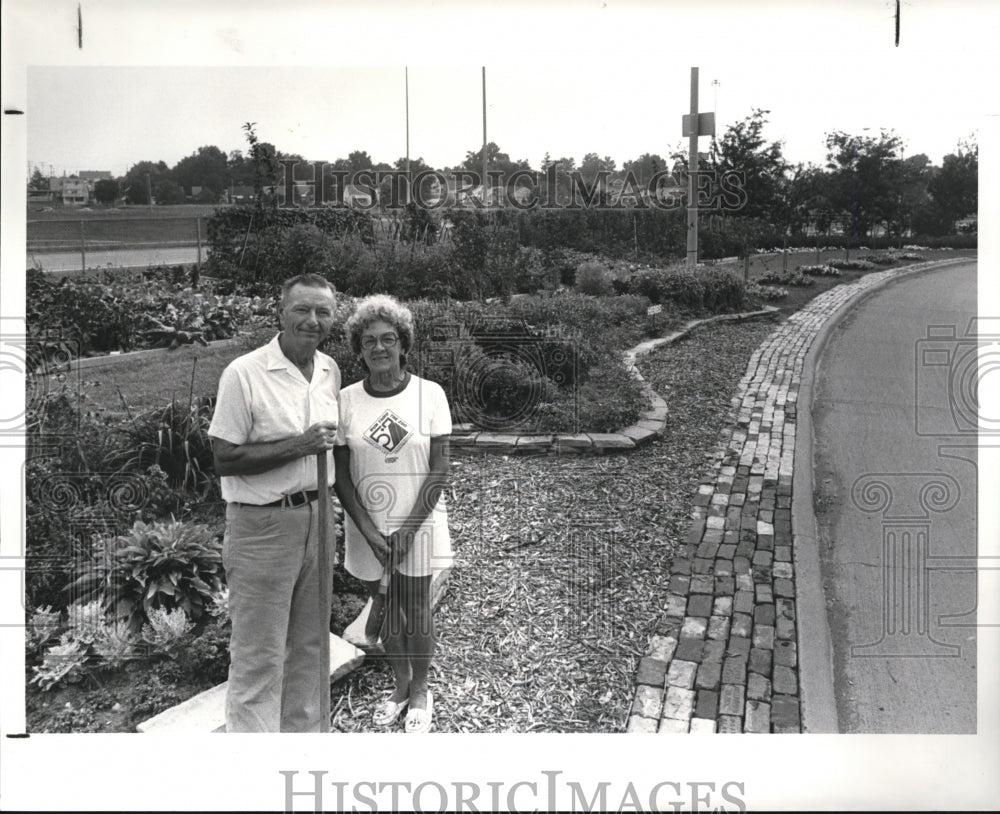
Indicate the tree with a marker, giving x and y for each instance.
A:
(761, 165)
(645, 167)
(955, 187)
(496, 161)
(168, 192)
(38, 182)
(106, 190)
(136, 189)
(592, 164)
(866, 178)
(207, 167)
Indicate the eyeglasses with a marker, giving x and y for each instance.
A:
(388, 340)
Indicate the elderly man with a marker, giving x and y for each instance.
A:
(277, 408)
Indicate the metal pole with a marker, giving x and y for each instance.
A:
(408, 179)
(198, 227)
(692, 235)
(325, 584)
(485, 191)
(83, 250)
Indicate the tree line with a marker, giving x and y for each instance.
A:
(867, 182)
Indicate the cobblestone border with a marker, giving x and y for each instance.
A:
(725, 656)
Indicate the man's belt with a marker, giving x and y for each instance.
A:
(288, 501)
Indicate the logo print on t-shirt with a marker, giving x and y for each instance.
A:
(388, 433)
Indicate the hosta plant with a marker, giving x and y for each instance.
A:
(156, 565)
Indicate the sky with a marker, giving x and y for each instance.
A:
(155, 80)
(620, 92)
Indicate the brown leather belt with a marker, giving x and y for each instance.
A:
(288, 501)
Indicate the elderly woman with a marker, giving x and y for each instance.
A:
(391, 458)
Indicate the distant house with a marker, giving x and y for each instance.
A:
(241, 194)
(75, 191)
(93, 176)
(357, 196)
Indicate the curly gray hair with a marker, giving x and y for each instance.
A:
(381, 307)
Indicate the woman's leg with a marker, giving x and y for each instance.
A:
(393, 641)
(414, 595)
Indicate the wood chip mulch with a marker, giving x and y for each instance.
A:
(561, 563)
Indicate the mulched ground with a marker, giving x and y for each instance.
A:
(561, 563)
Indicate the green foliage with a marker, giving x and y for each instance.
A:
(792, 278)
(173, 438)
(128, 314)
(593, 278)
(704, 290)
(852, 265)
(765, 293)
(167, 632)
(157, 565)
(88, 642)
(249, 246)
(820, 270)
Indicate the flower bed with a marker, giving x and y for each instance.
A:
(824, 270)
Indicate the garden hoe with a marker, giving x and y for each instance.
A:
(376, 616)
(325, 586)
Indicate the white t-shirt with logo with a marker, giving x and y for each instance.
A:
(389, 436)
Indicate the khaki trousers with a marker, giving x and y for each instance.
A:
(271, 561)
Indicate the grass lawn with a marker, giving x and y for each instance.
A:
(147, 382)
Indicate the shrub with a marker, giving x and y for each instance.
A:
(881, 259)
(785, 278)
(765, 293)
(158, 565)
(713, 290)
(593, 278)
(819, 271)
(174, 439)
(852, 265)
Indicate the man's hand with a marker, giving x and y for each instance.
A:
(319, 437)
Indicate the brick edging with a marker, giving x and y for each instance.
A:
(726, 655)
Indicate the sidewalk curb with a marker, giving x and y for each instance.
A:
(819, 707)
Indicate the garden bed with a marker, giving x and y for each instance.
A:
(558, 563)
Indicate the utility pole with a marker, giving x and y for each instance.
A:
(693, 125)
(409, 180)
(485, 176)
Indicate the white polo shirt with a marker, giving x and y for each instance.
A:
(263, 396)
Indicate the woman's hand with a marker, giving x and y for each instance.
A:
(401, 541)
(380, 546)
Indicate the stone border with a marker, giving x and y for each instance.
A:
(465, 438)
(728, 653)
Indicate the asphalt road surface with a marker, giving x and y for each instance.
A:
(98, 259)
(895, 498)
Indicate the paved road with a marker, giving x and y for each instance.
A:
(896, 510)
(96, 259)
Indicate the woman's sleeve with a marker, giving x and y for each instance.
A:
(441, 413)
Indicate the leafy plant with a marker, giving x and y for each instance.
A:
(167, 631)
(819, 271)
(89, 641)
(853, 265)
(157, 565)
(785, 278)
